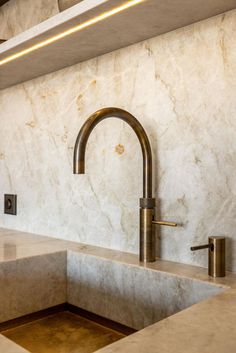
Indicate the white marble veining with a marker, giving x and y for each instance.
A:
(181, 86)
(115, 278)
(205, 327)
(32, 284)
(18, 15)
(133, 25)
(133, 296)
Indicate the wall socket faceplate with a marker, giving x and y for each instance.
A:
(10, 204)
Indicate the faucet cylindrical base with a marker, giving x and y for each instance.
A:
(216, 262)
(147, 234)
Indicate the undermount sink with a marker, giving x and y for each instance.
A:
(129, 295)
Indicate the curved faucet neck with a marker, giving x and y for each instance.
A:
(89, 125)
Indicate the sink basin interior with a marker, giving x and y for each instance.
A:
(128, 295)
(64, 331)
(133, 296)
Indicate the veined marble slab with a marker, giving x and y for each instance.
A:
(147, 19)
(115, 277)
(133, 296)
(182, 87)
(207, 327)
(32, 284)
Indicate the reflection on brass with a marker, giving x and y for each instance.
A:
(147, 236)
(62, 332)
(147, 203)
(113, 325)
(216, 255)
(89, 125)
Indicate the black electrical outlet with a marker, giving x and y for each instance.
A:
(10, 204)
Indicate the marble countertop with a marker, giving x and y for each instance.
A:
(206, 327)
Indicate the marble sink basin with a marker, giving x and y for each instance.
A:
(128, 294)
(105, 282)
(44, 272)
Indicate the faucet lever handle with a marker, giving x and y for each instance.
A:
(164, 223)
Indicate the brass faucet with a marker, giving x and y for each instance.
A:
(147, 202)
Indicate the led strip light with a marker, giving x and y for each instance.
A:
(72, 30)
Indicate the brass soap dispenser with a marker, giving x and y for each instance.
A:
(216, 255)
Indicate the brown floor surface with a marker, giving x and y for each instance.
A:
(63, 332)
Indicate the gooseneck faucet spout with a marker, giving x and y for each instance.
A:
(147, 203)
(87, 128)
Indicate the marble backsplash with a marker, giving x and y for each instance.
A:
(17, 16)
(181, 86)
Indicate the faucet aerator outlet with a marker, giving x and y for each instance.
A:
(78, 168)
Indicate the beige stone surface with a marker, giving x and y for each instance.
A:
(145, 20)
(17, 16)
(181, 86)
(208, 326)
(32, 283)
(32, 276)
(134, 296)
(23, 245)
(8, 346)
